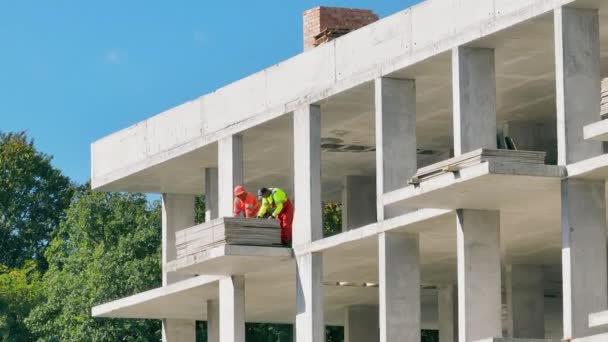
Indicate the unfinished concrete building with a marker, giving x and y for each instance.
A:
(464, 140)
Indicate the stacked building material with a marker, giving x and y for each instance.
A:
(476, 157)
(604, 101)
(227, 231)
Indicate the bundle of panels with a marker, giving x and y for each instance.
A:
(227, 231)
(477, 157)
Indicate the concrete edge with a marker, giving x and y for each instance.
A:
(228, 251)
(103, 310)
(598, 319)
(582, 168)
(596, 131)
(370, 230)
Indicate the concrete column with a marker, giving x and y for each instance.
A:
(358, 202)
(583, 254)
(175, 330)
(211, 193)
(474, 92)
(230, 169)
(232, 309)
(447, 300)
(177, 214)
(213, 320)
(399, 287)
(310, 323)
(478, 254)
(361, 324)
(395, 137)
(577, 62)
(525, 301)
(308, 223)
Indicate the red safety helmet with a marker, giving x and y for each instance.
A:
(239, 190)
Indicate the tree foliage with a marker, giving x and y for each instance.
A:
(108, 247)
(20, 291)
(33, 197)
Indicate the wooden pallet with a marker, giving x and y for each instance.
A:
(227, 230)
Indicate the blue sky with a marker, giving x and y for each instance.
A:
(74, 71)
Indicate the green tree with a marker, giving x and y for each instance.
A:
(107, 247)
(20, 291)
(33, 197)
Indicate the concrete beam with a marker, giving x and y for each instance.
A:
(447, 300)
(395, 136)
(474, 93)
(310, 323)
(361, 323)
(583, 254)
(177, 214)
(478, 254)
(211, 194)
(578, 87)
(232, 309)
(230, 169)
(525, 301)
(399, 282)
(213, 320)
(308, 219)
(358, 202)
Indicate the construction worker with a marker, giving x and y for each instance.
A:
(245, 203)
(276, 199)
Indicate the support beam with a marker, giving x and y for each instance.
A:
(479, 275)
(525, 301)
(310, 323)
(213, 320)
(358, 202)
(583, 254)
(474, 92)
(230, 169)
(399, 282)
(361, 324)
(211, 194)
(232, 309)
(177, 214)
(578, 87)
(447, 300)
(395, 137)
(308, 223)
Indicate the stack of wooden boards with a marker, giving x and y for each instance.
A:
(227, 231)
(604, 102)
(476, 157)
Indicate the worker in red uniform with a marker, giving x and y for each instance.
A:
(245, 203)
(276, 199)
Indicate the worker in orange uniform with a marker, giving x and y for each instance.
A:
(276, 199)
(245, 203)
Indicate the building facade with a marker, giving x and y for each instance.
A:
(464, 141)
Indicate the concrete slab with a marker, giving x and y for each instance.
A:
(231, 260)
(598, 319)
(174, 301)
(596, 131)
(595, 168)
(489, 185)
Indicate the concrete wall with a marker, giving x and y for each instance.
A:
(378, 49)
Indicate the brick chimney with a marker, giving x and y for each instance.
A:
(322, 24)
